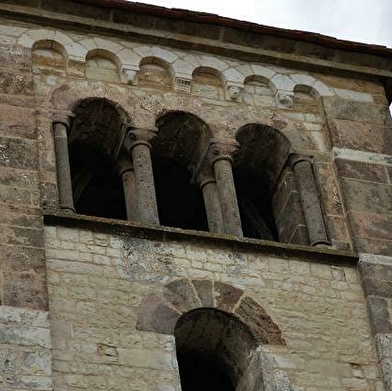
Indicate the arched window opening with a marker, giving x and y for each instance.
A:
(182, 140)
(214, 351)
(95, 137)
(263, 154)
(306, 100)
(102, 65)
(257, 92)
(207, 83)
(154, 72)
(49, 59)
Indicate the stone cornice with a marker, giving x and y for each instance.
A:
(185, 29)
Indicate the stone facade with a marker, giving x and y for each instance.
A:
(174, 184)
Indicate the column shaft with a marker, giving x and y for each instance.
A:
(310, 203)
(212, 205)
(227, 196)
(64, 182)
(129, 185)
(147, 209)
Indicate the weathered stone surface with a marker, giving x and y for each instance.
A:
(25, 290)
(111, 328)
(18, 153)
(156, 315)
(181, 295)
(204, 292)
(371, 225)
(15, 83)
(259, 322)
(353, 134)
(361, 170)
(379, 315)
(15, 57)
(356, 111)
(226, 296)
(367, 197)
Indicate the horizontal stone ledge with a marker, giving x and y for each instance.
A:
(58, 217)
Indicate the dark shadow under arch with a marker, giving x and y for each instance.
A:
(182, 140)
(95, 137)
(214, 349)
(263, 154)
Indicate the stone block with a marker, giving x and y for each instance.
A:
(359, 136)
(25, 290)
(376, 246)
(226, 296)
(17, 122)
(204, 292)
(15, 57)
(367, 197)
(354, 95)
(384, 345)
(361, 170)
(259, 322)
(22, 258)
(18, 153)
(343, 109)
(372, 225)
(157, 316)
(181, 295)
(379, 315)
(22, 236)
(15, 82)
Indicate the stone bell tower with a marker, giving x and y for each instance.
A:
(191, 202)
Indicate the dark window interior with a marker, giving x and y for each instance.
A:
(97, 188)
(255, 205)
(180, 204)
(200, 373)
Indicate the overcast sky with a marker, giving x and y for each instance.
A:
(368, 21)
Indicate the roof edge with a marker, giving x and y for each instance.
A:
(208, 18)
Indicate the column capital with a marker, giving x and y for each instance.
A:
(295, 158)
(223, 150)
(62, 117)
(137, 136)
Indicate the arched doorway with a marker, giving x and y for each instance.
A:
(214, 350)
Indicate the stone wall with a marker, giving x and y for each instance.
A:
(22, 266)
(25, 350)
(97, 284)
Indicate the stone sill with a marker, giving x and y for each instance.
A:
(58, 217)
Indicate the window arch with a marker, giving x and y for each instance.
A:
(263, 154)
(215, 326)
(95, 137)
(182, 139)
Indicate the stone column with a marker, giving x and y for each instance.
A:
(138, 144)
(127, 174)
(64, 182)
(212, 205)
(302, 167)
(221, 161)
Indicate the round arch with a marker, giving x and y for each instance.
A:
(216, 324)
